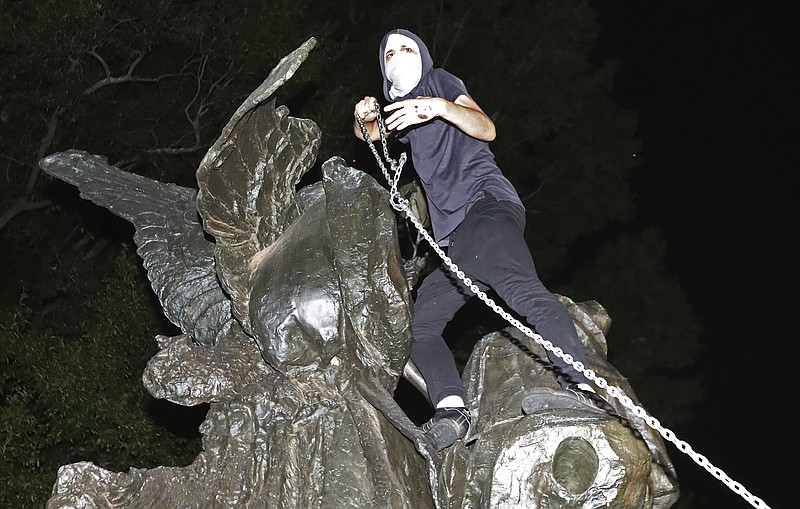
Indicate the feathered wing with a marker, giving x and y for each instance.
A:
(179, 258)
(247, 180)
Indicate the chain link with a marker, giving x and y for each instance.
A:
(400, 204)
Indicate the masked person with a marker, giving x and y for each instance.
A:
(475, 212)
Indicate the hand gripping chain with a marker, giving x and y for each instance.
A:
(400, 204)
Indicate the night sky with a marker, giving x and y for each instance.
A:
(716, 85)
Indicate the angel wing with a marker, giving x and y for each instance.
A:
(247, 198)
(179, 258)
(247, 180)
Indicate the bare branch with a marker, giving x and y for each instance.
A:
(120, 22)
(518, 142)
(128, 77)
(194, 114)
(21, 205)
(455, 36)
(13, 160)
(52, 125)
(544, 181)
(177, 150)
(123, 163)
(195, 120)
(356, 12)
(525, 64)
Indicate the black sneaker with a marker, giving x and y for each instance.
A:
(591, 398)
(447, 425)
(574, 397)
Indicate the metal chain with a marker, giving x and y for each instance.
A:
(400, 204)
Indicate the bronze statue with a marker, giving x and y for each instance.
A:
(295, 319)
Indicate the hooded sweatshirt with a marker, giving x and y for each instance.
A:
(455, 169)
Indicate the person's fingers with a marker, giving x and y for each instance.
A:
(365, 108)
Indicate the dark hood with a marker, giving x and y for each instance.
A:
(427, 61)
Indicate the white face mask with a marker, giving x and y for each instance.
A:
(404, 69)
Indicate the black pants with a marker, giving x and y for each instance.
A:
(490, 248)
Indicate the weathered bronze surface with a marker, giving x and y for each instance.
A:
(295, 320)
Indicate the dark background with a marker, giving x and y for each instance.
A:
(715, 85)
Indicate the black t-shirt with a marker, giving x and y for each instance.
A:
(455, 169)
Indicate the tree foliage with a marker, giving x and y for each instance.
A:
(71, 390)
(150, 84)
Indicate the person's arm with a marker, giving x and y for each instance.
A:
(464, 113)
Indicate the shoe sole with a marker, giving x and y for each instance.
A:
(545, 398)
(443, 434)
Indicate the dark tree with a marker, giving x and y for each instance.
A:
(150, 84)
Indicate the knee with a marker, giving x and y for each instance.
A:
(427, 325)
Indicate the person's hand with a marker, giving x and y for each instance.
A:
(413, 111)
(366, 109)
